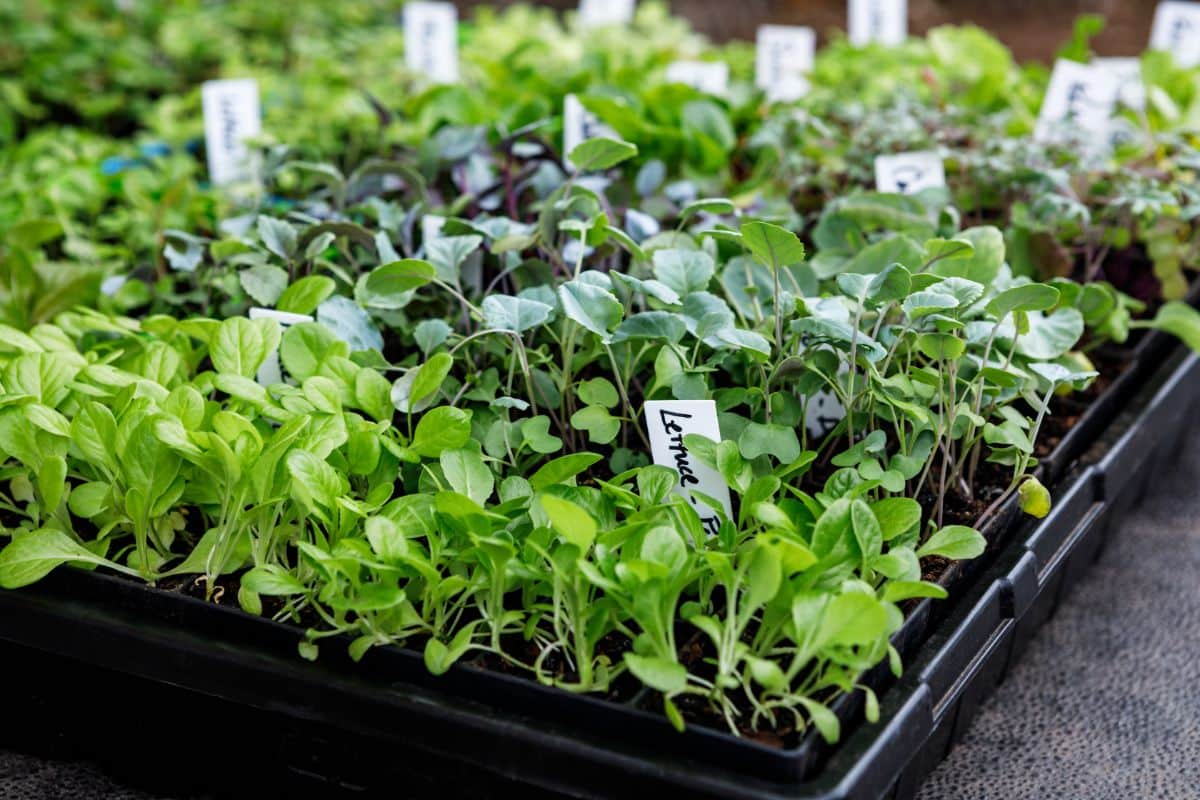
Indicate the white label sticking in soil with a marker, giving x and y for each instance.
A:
(668, 422)
(1080, 98)
(431, 40)
(782, 59)
(271, 373)
(909, 173)
(598, 13)
(882, 21)
(822, 414)
(1177, 30)
(231, 116)
(710, 77)
(579, 125)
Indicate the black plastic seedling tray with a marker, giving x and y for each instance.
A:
(988, 631)
(222, 702)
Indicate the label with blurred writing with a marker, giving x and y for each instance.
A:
(881, 21)
(909, 173)
(1176, 30)
(1079, 102)
(231, 116)
(782, 60)
(431, 40)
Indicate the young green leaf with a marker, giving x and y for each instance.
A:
(516, 314)
(570, 521)
(774, 246)
(601, 153)
(955, 542)
(29, 557)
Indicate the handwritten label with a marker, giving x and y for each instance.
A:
(271, 373)
(231, 116)
(431, 40)
(881, 21)
(782, 59)
(598, 13)
(668, 422)
(1081, 97)
(579, 125)
(909, 173)
(710, 77)
(1176, 29)
(823, 413)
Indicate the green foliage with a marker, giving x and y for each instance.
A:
(453, 455)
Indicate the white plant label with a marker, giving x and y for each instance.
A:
(668, 422)
(1176, 29)
(710, 77)
(598, 13)
(431, 228)
(232, 115)
(909, 173)
(782, 60)
(882, 21)
(112, 284)
(431, 40)
(822, 414)
(271, 373)
(1080, 96)
(579, 125)
(1128, 74)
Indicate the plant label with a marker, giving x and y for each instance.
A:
(431, 228)
(668, 422)
(232, 116)
(1080, 98)
(1176, 30)
(909, 173)
(822, 414)
(579, 125)
(112, 284)
(431, 40)
(271, 373)
(782, 59)
(882, 21)
(598, 13)
(710, 77)
(1128, 74)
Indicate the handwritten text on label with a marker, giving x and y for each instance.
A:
(431, 40)
(1082, 98)
(668, 422)
(882, 21)
(783, 57)
(1176, 30)
(822, 414)
(909, 173)
(231, 116)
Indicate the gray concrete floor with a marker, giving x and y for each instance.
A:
(1105, 705)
